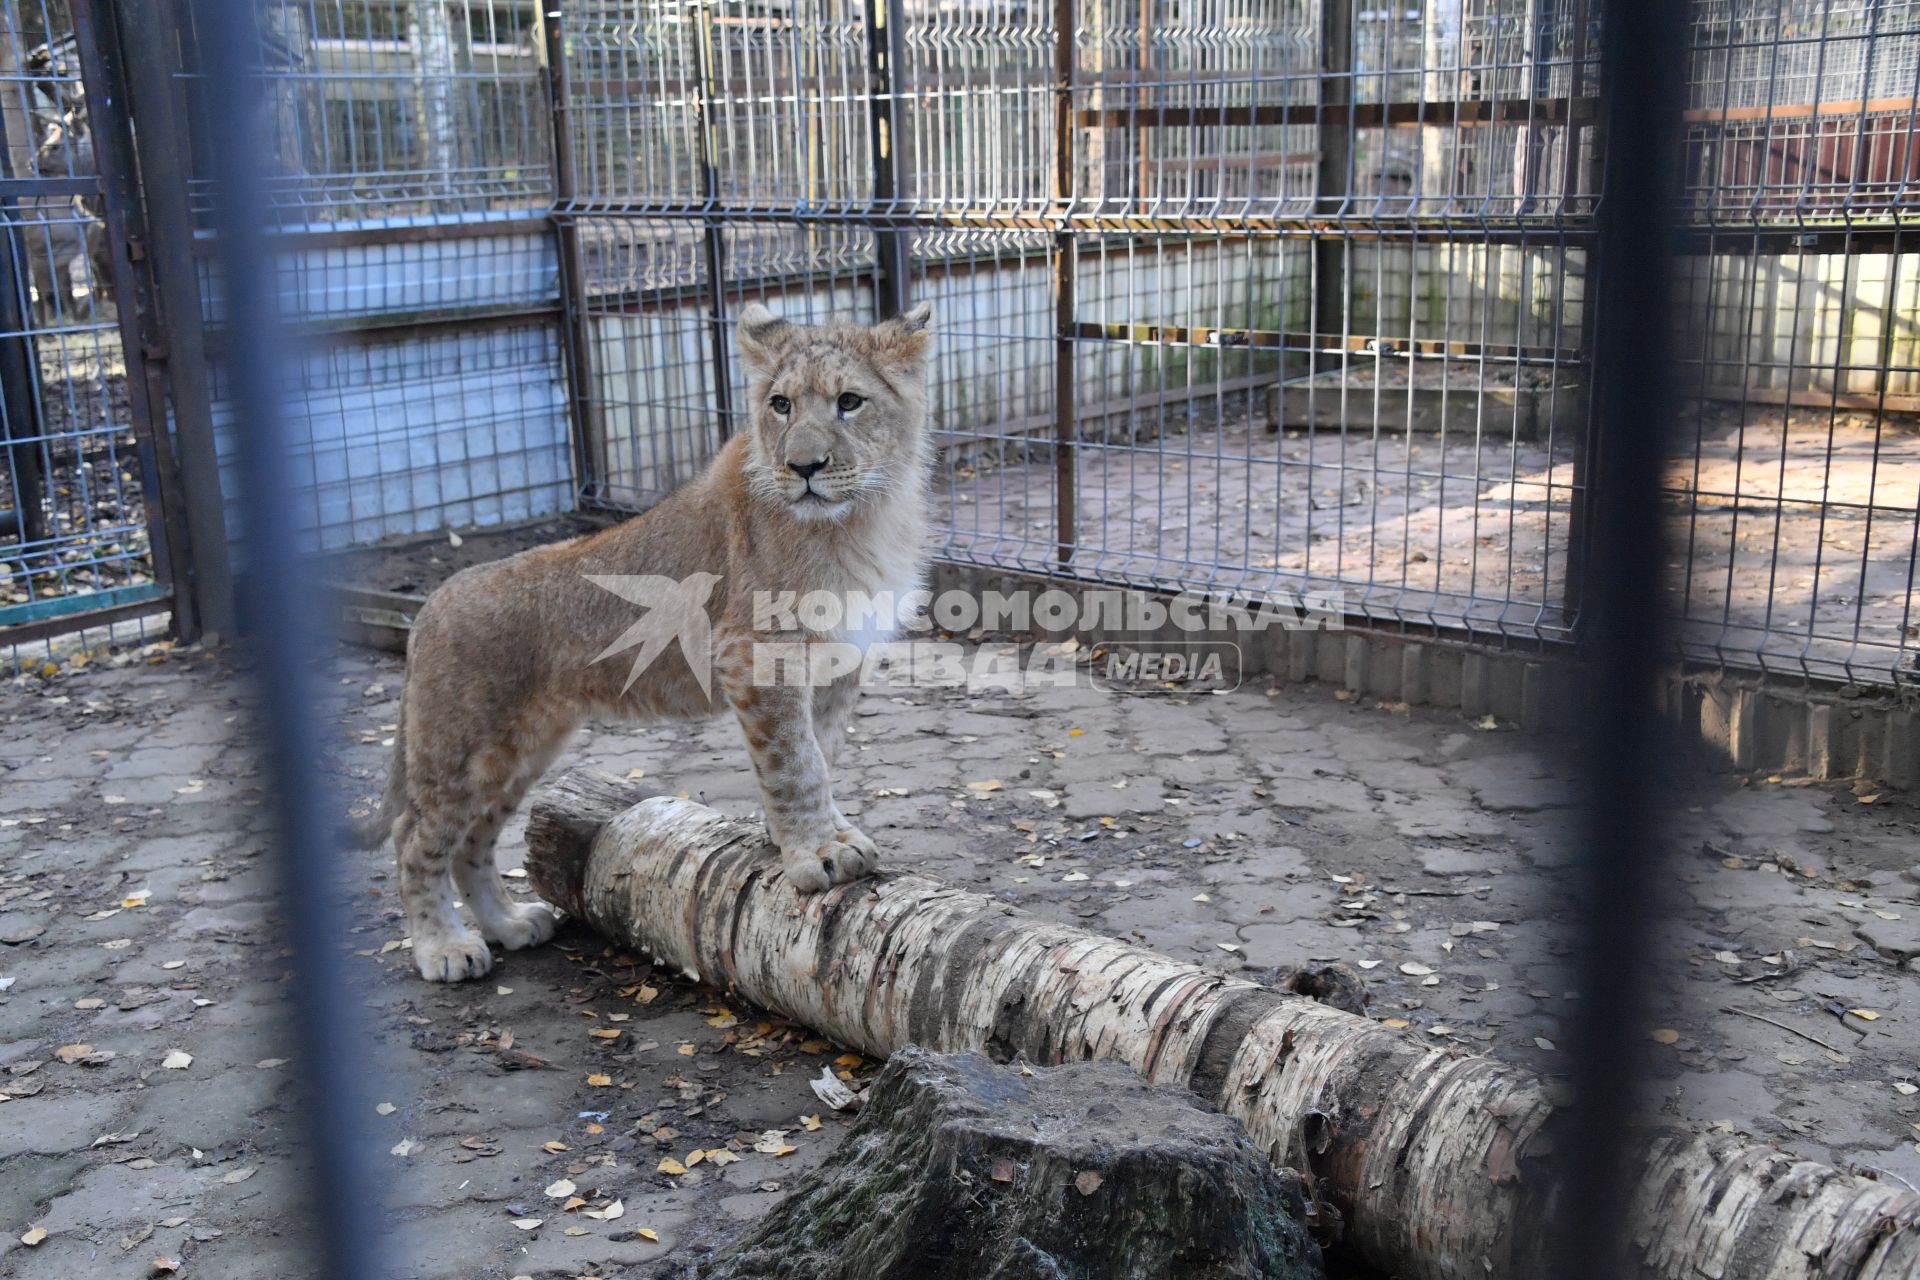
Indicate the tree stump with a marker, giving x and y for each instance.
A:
(959, 1169)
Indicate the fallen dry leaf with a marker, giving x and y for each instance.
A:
(647, 1233)
(33, 1236)
(669, 1165)
(560, 1190)
(1665, 1035)
(178, 1060)
(1088, 1183)
(599, 1081)
(607, 1214)
(71, 1053)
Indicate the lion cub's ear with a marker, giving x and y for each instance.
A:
(907, 338)
(763, 336)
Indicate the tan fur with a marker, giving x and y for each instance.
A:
(501, 664)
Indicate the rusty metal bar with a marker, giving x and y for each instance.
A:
(1467, 113)
(1271, 339)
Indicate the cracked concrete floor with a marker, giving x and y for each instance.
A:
(1246, 829)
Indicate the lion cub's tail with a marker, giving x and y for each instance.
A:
(371, 831)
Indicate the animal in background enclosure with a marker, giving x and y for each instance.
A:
(824, 492)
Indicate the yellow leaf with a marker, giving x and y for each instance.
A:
(573, 1202)
(986, 787)
(647, 1233)
(1665, 1035)
(554, 1148)
(810, 1123)
(33, 1236)
(636, 773)
(695, 1156)
(605, 1033)
(1865, 1015)
(814, 1046)
(670, 1165)
(71, 1053)
(594, 1126)
(1395, 1023)
(599, 1081)
(1076, 733)
(686, 1051)
(847, 1060)
(646, 995)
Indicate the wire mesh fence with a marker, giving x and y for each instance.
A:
(78, 488)
(1289, 296)
(1245, 297)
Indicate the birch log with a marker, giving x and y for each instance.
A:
(1436, 1160)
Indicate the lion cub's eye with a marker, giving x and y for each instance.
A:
(781, 405)
(848, 401)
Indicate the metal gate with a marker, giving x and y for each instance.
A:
(85, 497)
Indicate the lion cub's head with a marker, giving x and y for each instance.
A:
(837, 413)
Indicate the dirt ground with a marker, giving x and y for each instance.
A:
(149, 1084)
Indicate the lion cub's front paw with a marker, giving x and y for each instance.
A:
(452, 957)
(862, 854)
(816, 865)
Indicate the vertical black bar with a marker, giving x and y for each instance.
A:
(583, 405)
(102, 70)
(713, 247)
(1065, 428)
(886, 20)
(151, 49)
(1333, 179)
(1621, 631)
(286, 628)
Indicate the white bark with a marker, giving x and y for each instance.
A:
(1431, 1157)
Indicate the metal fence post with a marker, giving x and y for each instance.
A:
(1065, 408)
(161, 143)
(1333, 178)
(590, 441)
(886, 23)
(1621, 632)
(713, 239)
(102, 66)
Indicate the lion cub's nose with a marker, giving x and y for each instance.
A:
(805, 470)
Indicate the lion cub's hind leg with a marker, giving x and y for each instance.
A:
(514, 925)
(426, 841)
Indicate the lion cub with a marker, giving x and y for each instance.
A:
(825, 490)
